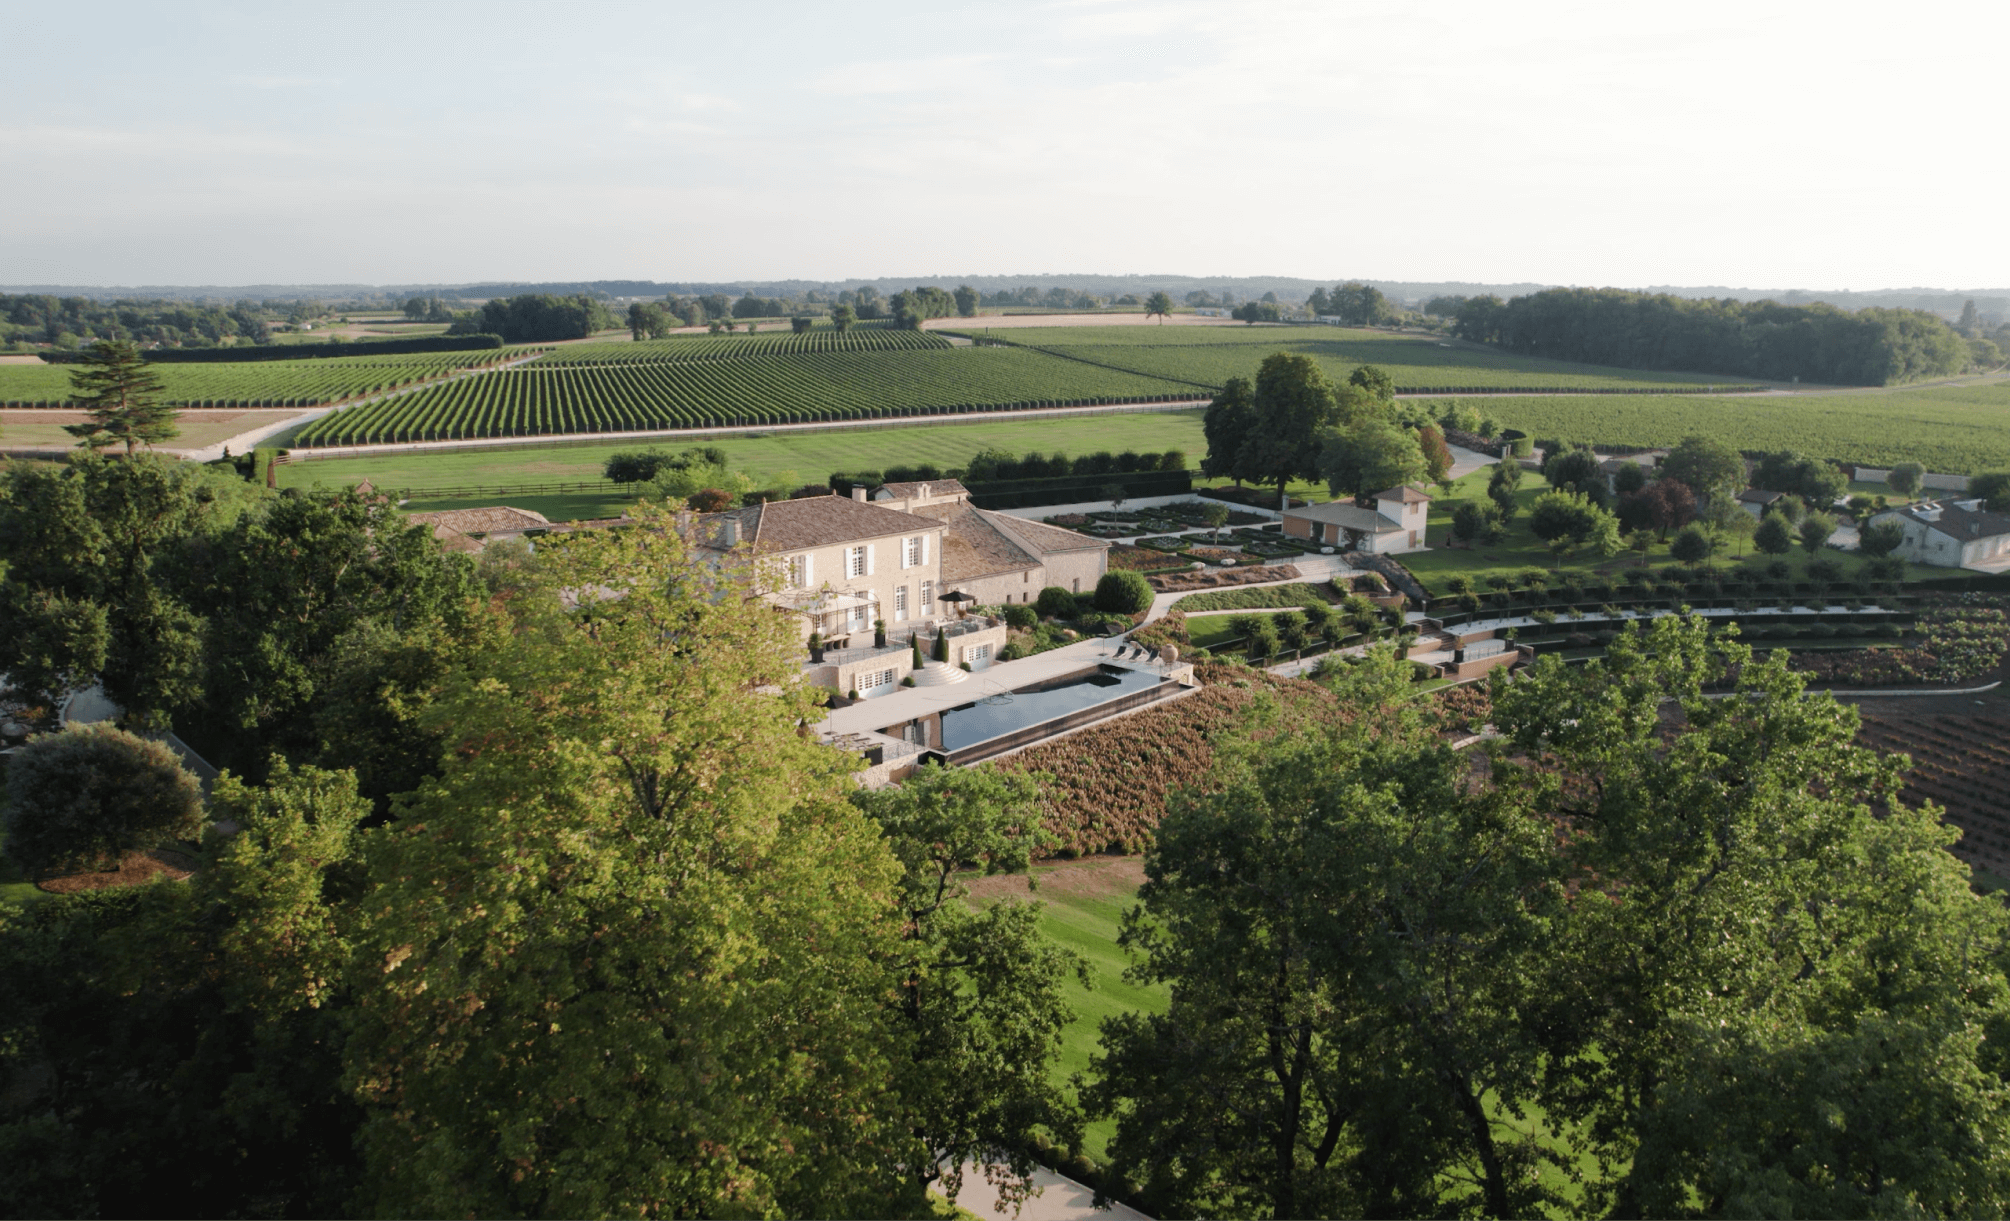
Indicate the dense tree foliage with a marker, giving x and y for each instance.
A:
(84, 796)
(1814, 480)
(980, 991)
(1710, 467)
(187, 1039)
(540, 317)
(1664, 955)
(94, 581)
(1815, 343)
(39, 318)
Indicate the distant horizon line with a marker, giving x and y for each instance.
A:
(1041, 279)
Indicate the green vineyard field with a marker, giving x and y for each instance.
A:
(285, 383)
(735, 347)
(1954, 430)
(1209, 356)
(758, 390)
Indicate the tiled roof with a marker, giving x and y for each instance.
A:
(1345, 513)
(972, 546)
(1957, 522)
(814, 521)
(907, 491)
(1759, 496)
(499, 519)
(1039, 537)
(1407, 494)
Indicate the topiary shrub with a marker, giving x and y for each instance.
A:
(88, 794)
(1055, 603)
(1123, 592)
(1023, 617)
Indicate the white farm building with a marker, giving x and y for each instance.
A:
(1952, 534)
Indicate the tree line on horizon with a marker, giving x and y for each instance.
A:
(1631, 330)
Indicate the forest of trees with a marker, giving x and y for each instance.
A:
(540, 318)
(72, 321)
(1630, 330)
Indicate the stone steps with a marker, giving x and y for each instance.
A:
(939, 674)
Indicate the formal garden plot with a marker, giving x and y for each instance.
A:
(758, 390)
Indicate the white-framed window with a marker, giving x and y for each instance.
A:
(854, 561)
(801, 571)
(874, 682)
(914, 551)
(899, 603)
(978, 655)
(927, 598)
(861, 618)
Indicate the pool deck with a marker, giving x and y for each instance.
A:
(908, 703)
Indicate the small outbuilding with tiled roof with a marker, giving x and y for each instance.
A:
(1394, 525)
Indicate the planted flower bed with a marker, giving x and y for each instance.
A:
(1145, 559)
(1166, 542)
(1961, 637)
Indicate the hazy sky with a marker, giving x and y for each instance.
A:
(1763, 145)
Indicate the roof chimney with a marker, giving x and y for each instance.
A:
(922, 494)
(729, 532)
(858, 492)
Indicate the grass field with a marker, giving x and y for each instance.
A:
(1211, 355)
(764, 456)
(1085, 902)
(1957, 430)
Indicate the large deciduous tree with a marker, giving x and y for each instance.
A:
(1347, 937)
(89, 589)
(1227, 425)
(1710, 467)
(1159, 305)
(1292, 403)
(315, 583)
(123, 397)
(1779, 1005)
(1370, 457)
(190, 1033)
(979, 1001)
(1567, 522)
(630, 952)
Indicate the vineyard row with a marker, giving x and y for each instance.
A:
(536, 400)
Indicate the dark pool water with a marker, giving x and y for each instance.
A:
(984, 719)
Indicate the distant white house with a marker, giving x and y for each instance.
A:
(1395, 524)
(1952, 534)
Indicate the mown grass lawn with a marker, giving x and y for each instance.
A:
(1085, 902)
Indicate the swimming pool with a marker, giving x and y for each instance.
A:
(998, 722)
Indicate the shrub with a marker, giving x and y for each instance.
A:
(1055, 603)
(1123, 592)
(1022, 617)
(710, 500)
(86, 795)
